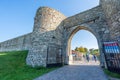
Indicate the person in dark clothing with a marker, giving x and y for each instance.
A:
(95, 58)
(87, 57)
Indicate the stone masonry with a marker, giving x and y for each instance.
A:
(50, 41)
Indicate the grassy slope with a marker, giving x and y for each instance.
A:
(114, 75)
(13, 67)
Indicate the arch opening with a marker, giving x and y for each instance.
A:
(87, 33)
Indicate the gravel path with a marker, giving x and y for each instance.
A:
(87, 71)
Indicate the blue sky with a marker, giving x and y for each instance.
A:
(17, 16)
(84, 38)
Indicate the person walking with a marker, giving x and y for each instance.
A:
(83, 58)
(95, 58)
(87, 57)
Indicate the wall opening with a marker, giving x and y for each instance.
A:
(83, 48)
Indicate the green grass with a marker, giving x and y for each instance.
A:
(13, 67)
(111, 74)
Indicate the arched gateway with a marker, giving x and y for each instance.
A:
(49, 43)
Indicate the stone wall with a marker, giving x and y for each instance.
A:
(111, 8)
(92, 20)
(115, 27)
(45, 33)
(18, 43)
(53, 32)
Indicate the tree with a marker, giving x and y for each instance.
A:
(81, 49)
(91, 50)
(76, 49)
(94, 51)
(86, 50)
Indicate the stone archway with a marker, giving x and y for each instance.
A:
(92, 20)
(55, 34)
(70, 35)
(73, 32)
(53, 29)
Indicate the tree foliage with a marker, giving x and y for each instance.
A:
(86, 50)
(94, 51)
(81, 49)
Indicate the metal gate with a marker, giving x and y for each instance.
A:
(54, 55)
(112, 56)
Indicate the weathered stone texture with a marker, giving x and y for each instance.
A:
(115, 27)
(44, 34)
(47, 19)
(52, 33)
(111, 9)
(84, 17)
(92, 20)
(19, 43)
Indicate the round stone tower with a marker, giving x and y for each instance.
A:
(45, 24)
(47, 19)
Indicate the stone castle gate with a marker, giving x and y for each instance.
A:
(52, 33)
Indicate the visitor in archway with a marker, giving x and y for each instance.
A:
(87, 57)
(83, 57)
(94, 57)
